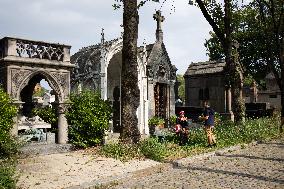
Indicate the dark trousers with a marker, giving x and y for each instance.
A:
(183, 136)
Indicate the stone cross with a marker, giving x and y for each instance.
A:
(103, 36)
(159, 18)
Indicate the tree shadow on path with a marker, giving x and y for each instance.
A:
(253, 157)
(258, 177)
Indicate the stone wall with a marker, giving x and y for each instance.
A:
(215, 85)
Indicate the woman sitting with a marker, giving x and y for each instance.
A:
(182, 129)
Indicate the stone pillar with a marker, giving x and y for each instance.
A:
(66, 54)
(151, 99)
(228, 114)
(14, 130)
(172, 98)
(62, 124)
(228, 100)
(253, 93)
(10, 47)
(146, 114)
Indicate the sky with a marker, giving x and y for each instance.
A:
(79, 23)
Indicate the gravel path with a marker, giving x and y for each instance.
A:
(257, 166)
(64, 170)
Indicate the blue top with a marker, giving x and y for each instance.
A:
(209, 112)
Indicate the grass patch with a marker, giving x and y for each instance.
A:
(227, 134)
(8, 179)
(123, 152)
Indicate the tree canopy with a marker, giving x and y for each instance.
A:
(254, 29)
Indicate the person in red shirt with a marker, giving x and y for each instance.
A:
(182, 128)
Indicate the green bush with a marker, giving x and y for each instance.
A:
(123, 152)
(227, 133)
(151, 148)
(153, 122)
(173, 120)
(8, 144)
(48, 115)
(7, 174)
(88, 117)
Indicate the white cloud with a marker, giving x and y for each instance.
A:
(79, 22)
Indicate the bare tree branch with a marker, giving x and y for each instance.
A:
(213, 24)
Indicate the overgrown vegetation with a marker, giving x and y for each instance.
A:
(88, 117)
(181, 87)
(40, 93)
(228, 134)
(154, 122)
(8, 144)
(7, 173)
(48, 114)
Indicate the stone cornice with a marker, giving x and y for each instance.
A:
(35, 61)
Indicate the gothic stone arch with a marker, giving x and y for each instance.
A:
(58, 81)
(21, 60)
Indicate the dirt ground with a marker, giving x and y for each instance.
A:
(65, 170)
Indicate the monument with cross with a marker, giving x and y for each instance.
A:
(159, 18)
(98, 67)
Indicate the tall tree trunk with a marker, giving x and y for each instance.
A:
(232, 69)
(281, 58)
(129, 82)
(234, 72)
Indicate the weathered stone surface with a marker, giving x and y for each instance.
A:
(255, 166)
(23, 63)
(98, 67)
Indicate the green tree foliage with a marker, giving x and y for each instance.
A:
(258, 48)
(40, 93)
(88, 117)
(219, 16)
(7, 112)
(8, 145)
(48, 115)
(259, 28)
(181, 87)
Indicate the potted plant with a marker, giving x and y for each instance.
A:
(155, 123)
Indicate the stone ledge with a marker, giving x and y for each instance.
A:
(43, 148)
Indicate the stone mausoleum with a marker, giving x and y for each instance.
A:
(98, 67)
(206, 81)
(23, 64)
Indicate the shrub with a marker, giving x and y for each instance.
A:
(48, 115)
(8, 145)
(227, 132)
(7, 173)
(121, 151)
(151, 148)
(88, 117)
(153, 122)
(173, 120)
